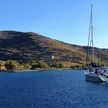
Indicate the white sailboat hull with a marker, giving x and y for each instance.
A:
(91, 76)
(105, 78)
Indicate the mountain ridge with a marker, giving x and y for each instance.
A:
(26, 46)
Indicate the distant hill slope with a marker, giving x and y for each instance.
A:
(32, 46)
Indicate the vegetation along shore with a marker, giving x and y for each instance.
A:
(31, 51)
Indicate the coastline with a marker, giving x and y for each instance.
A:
(36, 70)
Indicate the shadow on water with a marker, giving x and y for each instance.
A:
(104, 84)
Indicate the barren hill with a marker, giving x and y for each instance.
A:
(27, 46)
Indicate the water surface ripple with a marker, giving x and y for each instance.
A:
(51, 89)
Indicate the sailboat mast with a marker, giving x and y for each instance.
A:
(90, 37)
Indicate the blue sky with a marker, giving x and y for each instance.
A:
(65, 20)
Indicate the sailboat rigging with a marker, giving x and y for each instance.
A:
(93, 71)
(90, 49)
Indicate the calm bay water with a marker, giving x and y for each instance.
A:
(51, 89)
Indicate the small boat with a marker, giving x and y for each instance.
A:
(95, 75)
(104, 75)
(93, 72)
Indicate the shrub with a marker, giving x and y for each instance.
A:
(27, 66)
(12, 65)
(60, 65)
(39, 64)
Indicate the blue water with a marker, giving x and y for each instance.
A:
(51, 89)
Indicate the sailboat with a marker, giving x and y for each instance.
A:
(93, 72)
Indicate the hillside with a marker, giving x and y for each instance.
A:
(28, 46)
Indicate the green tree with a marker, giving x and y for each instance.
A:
(61, 65)
(39, 64)
(27, 66)
(12, 65)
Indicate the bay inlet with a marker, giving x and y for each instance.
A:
(51, 89)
